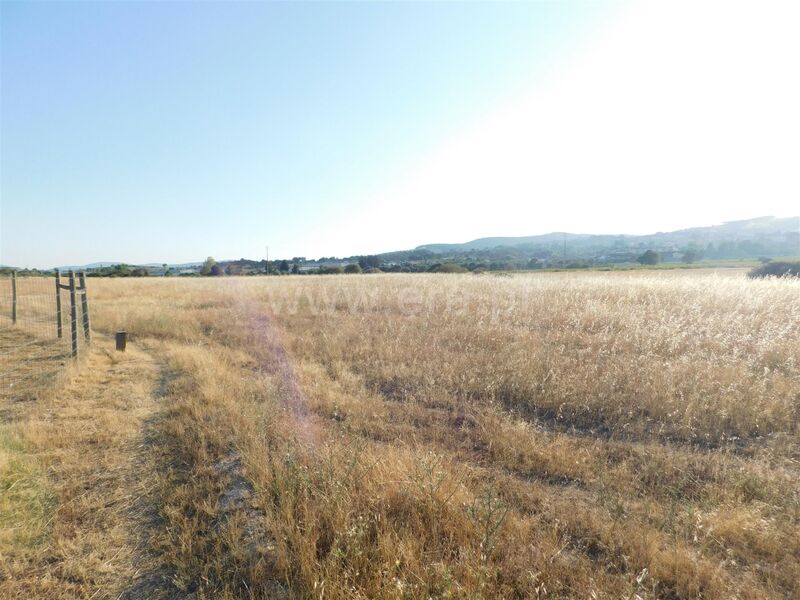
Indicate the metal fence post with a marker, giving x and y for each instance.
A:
(84, 307)
(73, 313)
(58, 305)
(14, 297)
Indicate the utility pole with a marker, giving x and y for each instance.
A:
(267, 260)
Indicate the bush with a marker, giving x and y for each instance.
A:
(330, 270)
(691, 255)
(373, 270)
(448, 268)
(352, 268)
(776, 269)
(650, 257)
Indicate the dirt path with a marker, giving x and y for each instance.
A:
(92, 438)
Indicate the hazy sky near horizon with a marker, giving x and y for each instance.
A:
(170, 131)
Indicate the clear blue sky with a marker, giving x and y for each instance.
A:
(169, 131)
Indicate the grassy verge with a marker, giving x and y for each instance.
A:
(26, 502)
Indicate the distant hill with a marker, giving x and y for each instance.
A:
(104, 264)
(94, 265)
(762, 237)
(761, 228)
(187, 265)
(497, 242)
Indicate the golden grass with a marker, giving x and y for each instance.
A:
(72, 473)
(547, 435)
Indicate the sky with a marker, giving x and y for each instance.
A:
(171, 131)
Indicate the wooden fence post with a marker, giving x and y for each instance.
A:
(14, 297)
(73, 313)
(85, 307)
(58, 305)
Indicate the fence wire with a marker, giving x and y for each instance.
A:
(31, 351)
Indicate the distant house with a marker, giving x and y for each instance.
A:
(309, 266)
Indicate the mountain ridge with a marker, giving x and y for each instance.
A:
(733, 230)
(766, 228)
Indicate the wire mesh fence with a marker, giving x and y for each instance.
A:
(43, 322)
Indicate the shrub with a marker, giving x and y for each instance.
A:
(373, 270)
(776, 269)
(691, 255)
(448, 268)
(352, 268)
(330, 270)
(650, 257)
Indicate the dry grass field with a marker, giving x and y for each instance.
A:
(582, 435)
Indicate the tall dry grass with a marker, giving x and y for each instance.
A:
(551, 435)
